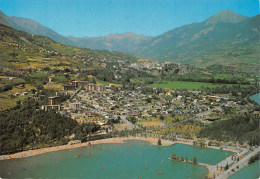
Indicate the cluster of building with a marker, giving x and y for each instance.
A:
(73, 85)
(98, 103)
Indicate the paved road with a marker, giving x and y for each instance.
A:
(131, 125)
(241, 163)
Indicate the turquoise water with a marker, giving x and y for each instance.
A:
(256, 98)
(249, 172)
(127, 160)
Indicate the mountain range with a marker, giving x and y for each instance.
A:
(125, 42)
(220, 32)
(225, 30)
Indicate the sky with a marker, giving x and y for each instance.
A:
(95, 18)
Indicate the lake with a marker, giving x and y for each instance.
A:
(256, 98)
(250, 172)
(132, 159)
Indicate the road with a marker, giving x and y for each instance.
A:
(204, 113)
(241, 163)
(123, 118)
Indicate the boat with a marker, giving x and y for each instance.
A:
(159, 172)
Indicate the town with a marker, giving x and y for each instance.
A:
(56, 97)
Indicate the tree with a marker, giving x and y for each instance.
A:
(181, 158)
(226, 167)
(132, 119)
(194, 160)
(162, 118)
(174, 156)
(51, 128)
(159, 142)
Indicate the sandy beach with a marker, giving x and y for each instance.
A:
(29, 153)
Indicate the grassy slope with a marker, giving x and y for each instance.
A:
(186, 85)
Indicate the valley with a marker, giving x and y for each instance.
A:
(195, 85)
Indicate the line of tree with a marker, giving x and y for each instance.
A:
(214, 80)
(241, 128)
(254, 158)
(174, 156)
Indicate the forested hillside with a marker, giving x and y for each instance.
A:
(223, 33)
(242, 128)
(26, 127)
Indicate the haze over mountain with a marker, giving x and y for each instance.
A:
(218, 33)
(125, 42)
(32, 27)
(223, 31)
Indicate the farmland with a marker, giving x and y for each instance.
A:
(186, 85)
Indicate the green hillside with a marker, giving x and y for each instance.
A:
(226, 32)
(32, 27)
(20, 50)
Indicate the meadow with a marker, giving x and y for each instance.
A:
(186, 85)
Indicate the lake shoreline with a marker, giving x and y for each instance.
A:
(29, 153)
(153, 141)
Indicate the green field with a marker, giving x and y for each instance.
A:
(38, 75)
(186, 85)
(102, 82)
(60, 79)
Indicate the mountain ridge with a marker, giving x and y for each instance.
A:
(199, 39)
(217, 33)
(225, 16)
(113, 42)
(32, 27)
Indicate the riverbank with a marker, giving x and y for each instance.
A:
(256, 98)
(30, 153)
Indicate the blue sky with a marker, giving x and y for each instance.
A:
(101, 17)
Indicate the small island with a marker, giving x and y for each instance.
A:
(181, 158)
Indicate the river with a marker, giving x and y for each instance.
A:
(256, 98)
